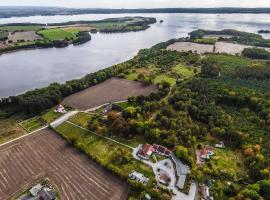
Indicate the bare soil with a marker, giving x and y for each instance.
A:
(233, 49)
(3, 45)
(46, 154)
(111, 90)
(189, 46)
(26, 36)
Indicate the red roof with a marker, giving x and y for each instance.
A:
(146, 150)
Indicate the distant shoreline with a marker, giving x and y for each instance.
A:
(8, 12)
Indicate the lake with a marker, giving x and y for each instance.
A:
(25, 70)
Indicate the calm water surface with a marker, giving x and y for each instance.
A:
(25, 70)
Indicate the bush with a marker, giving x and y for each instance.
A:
(256, 53)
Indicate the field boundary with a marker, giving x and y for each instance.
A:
(23, 136)
(107, 138)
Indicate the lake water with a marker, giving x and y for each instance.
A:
(25, 70)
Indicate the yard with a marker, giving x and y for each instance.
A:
(100, 149)
(59, 34)
(82, 119)
(39, 121)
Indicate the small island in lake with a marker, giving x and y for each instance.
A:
(264, 31)
(28, 35)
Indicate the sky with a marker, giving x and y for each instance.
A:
(137, 3)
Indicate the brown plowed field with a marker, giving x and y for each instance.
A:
(111, 90)
(46, 154)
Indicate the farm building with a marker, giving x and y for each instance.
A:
(138, 177)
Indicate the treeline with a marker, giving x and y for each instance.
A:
(38, 100)
(31, 11)
(240, 37)
(256, 53)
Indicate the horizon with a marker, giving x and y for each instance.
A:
(137, 4)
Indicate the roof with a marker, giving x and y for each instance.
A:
(35, 190)
(161, 149)
(47, 194)
(146, 150)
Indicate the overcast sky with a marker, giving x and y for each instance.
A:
(138, 3)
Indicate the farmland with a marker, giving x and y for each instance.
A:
(59, 34)
(109, 91)
(46, 154)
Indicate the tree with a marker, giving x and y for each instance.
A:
(210, 68)
(182, 152)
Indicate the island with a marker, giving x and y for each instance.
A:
(28, 36)
(171, 123)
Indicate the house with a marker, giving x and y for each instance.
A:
(138, 177)
(146, 151)
(60, 109)
(161, 150)
(35, 190)
(206, 152)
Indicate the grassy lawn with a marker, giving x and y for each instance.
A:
(50, 116)
(99, 148)
(40, 121)
(132, 76)
(164, 77)
(183, 71)
(24, 43)
(21, 28)
(32, 124)
(123, 105)
(229, 161)
(59, 34)
(81, 119)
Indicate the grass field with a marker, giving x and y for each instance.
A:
(21, 28)
(228, 64)
(183, 71)
(81, 119)
(232, 162)
(59, 34)
(40, 121)
(3, 35)
(100, 148)
(164, 77)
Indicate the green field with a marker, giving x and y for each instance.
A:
(183, 71)
(40, 121)
(228, 64)
(3, 35)
(100, 149)
(163, 77)
(59, 34)
(21, 28)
